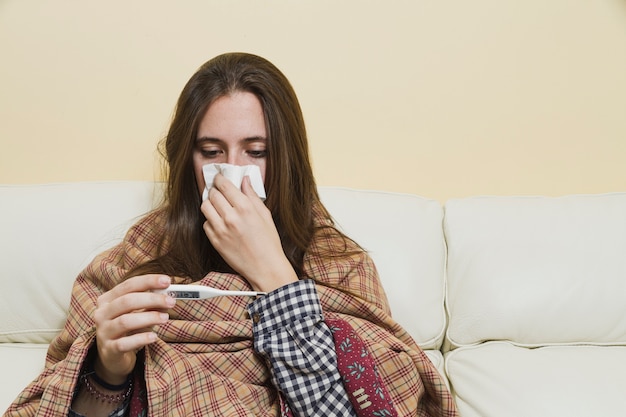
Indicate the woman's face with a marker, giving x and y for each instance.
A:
(231, 131)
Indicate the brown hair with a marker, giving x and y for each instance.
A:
(290, 186)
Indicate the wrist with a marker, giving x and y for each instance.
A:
(276, 278)
(110, 387)
(105, 378)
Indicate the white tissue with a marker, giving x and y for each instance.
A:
(235, 174)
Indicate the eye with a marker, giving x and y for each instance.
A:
(210, 153)
(260, 153)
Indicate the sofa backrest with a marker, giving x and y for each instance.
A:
(537, 270)
(50, 232)
(404, 236)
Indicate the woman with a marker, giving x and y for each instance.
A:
(127, 350)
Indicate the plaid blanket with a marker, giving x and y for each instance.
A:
(204, 363)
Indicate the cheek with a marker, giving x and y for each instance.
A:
(197, 169)
(262, 169)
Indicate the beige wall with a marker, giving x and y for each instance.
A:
(441, 99)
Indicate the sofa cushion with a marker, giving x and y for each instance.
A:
(537, 270)
(498, 379)
(21, 363)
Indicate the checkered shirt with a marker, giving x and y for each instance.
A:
(290, 333)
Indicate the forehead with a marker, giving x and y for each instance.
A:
(237, 113)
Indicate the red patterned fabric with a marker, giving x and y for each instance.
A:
(366, 391)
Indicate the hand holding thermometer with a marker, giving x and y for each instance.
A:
(200, 292)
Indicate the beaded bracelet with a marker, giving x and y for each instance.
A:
(101, 396)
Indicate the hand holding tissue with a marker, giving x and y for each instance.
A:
(235, 174)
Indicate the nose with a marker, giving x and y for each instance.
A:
(234, 158)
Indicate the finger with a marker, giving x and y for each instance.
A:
(218, 202)
(248, 190)
(133, 323)
(132, 302)
(214, 219)
(139, 283)
(226, 216)
(231, 193)
(135, 342)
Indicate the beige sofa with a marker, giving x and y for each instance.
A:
(519, 301)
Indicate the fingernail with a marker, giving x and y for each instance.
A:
(164, 316)
(170, 301)
(165, 280)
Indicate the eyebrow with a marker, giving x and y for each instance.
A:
(203, 139)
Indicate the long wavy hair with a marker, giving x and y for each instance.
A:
(292, 195)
